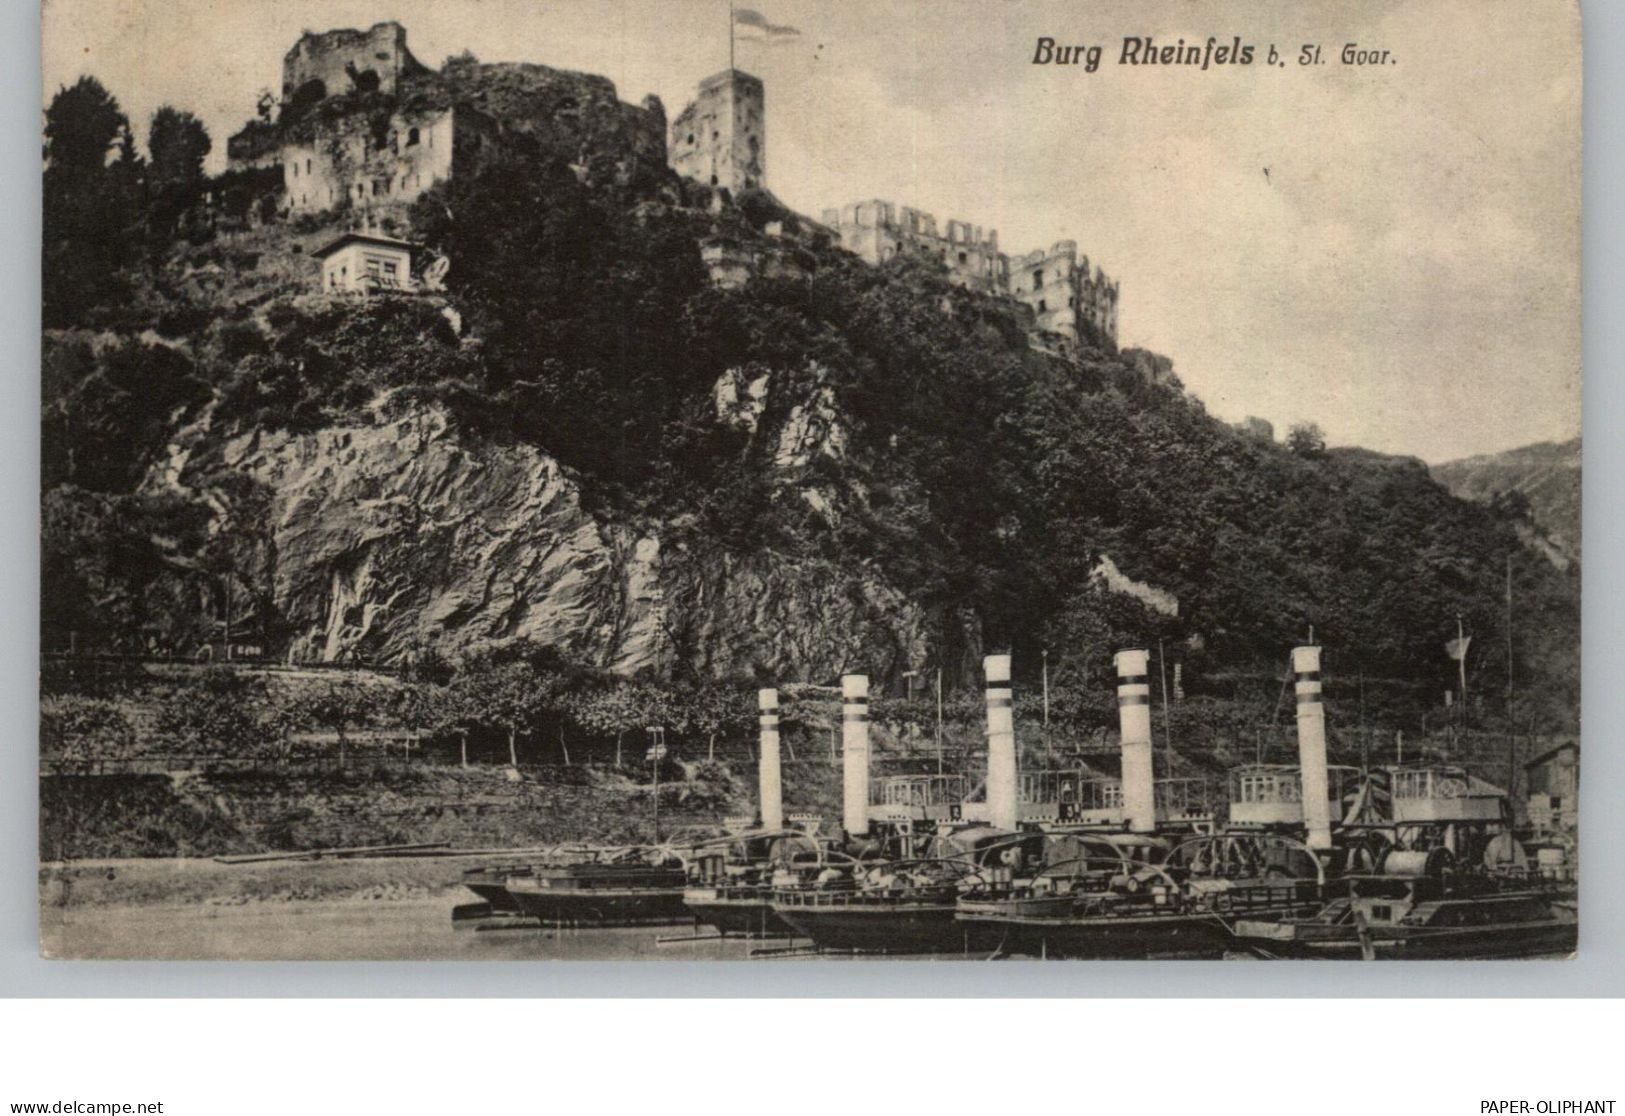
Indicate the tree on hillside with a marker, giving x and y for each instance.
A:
(340, 707)
(453, 712)
(505, 696)
(83, 125)
(718, 709)
(418, 707)
(90, 208)
(1306, 439)
(618, 709)
(177, 143)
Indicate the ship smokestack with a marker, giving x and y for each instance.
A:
(1312, 746)
(1001, 744)
(855, 753)
(1134, 717)
(769, 780)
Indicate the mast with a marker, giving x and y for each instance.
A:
(1512, 728)
(1167, 721)
(730, 34)
(939, 720)
(1461, 663)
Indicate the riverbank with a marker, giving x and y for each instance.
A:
(196, 882)
(199, 814)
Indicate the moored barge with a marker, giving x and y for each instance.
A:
(1419, 919)
(601, 894)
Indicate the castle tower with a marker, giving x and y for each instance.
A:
(720, 138)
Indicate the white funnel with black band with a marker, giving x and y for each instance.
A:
(1001, 744)
(1312, 746)
(1134, 717)
(769, 779)
(855, 754)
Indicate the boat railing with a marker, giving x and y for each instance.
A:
(1181, 794)
(917, 790)
(1430, 782)
(1267, 784)
(1086, 792)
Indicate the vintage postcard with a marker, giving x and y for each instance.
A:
(618, 479)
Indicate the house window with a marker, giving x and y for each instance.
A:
(1041, 306)
(307, 166)
(1038, 280)
(962, 257)
(296, 170)
(412, 137)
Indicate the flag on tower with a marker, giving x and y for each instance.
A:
(752, 26)
(1457, 648)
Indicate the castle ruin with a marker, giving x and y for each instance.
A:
(363, 124)
(1064, 291)
(720, 139)
(330, 62)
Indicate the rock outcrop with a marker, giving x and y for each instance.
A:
(401, 536)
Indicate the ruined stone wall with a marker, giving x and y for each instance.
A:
(368, 160)
(1060, 286)
(330, 56)
(877, 230)
(1097, 300)
(720, 138)
(1047, 281)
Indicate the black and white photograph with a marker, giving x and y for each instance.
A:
(810, 482)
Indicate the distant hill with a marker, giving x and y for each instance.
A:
(1546, 474)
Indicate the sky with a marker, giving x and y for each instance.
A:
(1389, 251)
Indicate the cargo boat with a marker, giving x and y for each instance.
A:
(894, 906)
(601, 894)
(1159, 922)
(907, 919)
(737, 908)
(490, 883)
(1420, 919)
(731, 884)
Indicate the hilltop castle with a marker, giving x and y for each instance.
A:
(363, 124)
(720, 138)
(1060, 286)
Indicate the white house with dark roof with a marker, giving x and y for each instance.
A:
(363, 262)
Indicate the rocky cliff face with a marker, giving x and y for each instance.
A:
(398, 536)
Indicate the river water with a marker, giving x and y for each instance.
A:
(348, 930)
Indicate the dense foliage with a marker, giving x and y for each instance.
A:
(984, 478)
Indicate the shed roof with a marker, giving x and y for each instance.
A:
(364, 238)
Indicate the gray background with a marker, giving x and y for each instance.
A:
(1595, 973)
